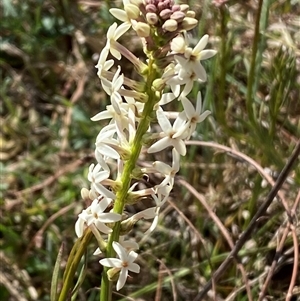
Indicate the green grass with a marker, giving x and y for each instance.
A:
(50, 90)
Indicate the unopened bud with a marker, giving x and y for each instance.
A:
(132, 11)
(127, 225)
(151, 8)
(170, 25)
(152, 18)
(178, 44)
(85, 194)
(178, 16)
(190, 14)
(189, 23)
(184, 7)
(113, 274)
(165, 14)
(158, 84)
(175, 7)
(142, 29)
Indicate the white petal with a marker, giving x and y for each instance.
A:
(166, 98)
(111, 30)
(102, 227)
(102, 58)
(119, 14)
(199, 103)
(122, 278)
(162, 167)
(107, 151)
(179, 146)
(201, 45)
(176, 160)
(97, 251)
(160, 145)
(107, 86)
(132, 256)
(199, 71)
(104, 191)
(182, 61)
(111, 262)
(153, 225)
(206, 54)
(117, 84)
(187, 88)
(109, 217)
(103, 204)
(121, 30)
(102, 115)
(115, 53)
(204, 115)
(79, 227)
(178, 44)
(101, 176)
(120, 251)
(179, 123)
(163, 121)
(134, 267)
(188, 107)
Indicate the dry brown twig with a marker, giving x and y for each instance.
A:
(162, 270)
(262, 209)
(279, 249)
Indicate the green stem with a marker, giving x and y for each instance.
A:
(121, 195)
(251, 77)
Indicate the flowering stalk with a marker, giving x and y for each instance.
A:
(171, 69)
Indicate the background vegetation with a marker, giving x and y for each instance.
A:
(49, 91)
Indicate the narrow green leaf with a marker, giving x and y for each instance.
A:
(55, 275)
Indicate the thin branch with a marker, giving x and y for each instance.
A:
(261, 211)
(296, 253)
(279, 251)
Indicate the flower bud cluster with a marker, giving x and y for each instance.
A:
(169, 73)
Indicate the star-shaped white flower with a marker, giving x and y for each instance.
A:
(160, 195)
(104, 137)
(103, 64)
(168, 171)
(124, 263)
(171, 135)
(113, 33)
(96, 176)
(190, 61)
(194, 115)
(95, 214)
